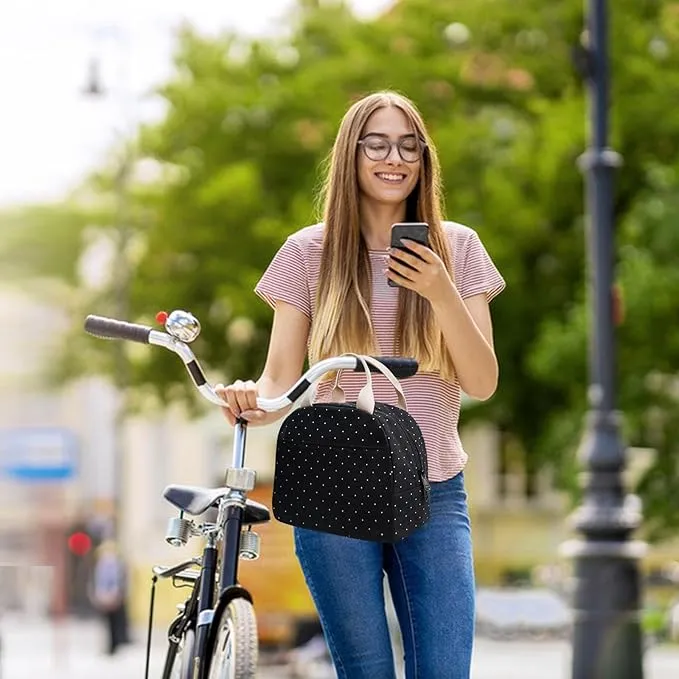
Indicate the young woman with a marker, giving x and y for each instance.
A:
(328, 285)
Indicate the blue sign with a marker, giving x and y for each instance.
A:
(38, 454)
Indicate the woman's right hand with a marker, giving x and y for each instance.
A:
(241, 398)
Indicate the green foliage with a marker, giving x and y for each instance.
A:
(249, 124)
(654, 622)
(648, 356)
(44, 240)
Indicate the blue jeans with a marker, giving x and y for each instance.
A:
(431, 579)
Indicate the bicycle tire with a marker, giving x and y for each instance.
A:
(236, 648)
(180, 660)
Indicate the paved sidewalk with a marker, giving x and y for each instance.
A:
(35, 649)
(551, 660)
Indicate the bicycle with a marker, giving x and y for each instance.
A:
(214, 636)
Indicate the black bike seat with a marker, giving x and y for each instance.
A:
(255, 513)
(195, 500)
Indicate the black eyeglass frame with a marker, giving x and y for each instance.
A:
(421, 143)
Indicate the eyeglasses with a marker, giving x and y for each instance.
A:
(378, 148)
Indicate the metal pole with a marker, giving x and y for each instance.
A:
(607, 639)
(121, 278)
(121, 304)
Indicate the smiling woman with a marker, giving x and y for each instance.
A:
(329, 287)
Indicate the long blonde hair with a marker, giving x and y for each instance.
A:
(342, 318)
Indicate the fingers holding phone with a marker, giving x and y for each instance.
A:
(414, 265)
(414, 231)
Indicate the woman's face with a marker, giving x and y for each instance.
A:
(383, 175)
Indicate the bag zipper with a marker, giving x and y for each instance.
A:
(424, 481)
(420, 456)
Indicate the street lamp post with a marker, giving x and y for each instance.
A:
(121, 305)
(607, 639)
(94, 88)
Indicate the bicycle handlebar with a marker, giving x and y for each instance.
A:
(109, 328)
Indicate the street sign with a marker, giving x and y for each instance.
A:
(38, 454)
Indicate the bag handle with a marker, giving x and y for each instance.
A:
(366, 397)
(337, 395)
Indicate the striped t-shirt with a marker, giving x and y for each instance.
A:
(292, 277)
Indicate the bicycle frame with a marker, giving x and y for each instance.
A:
(204, 611)
(234, 502)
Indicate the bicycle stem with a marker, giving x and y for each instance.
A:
(239, 441)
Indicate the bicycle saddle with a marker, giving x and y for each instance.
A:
(195, 500)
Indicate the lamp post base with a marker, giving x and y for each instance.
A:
(607, 634)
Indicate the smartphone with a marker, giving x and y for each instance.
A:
(417, 231)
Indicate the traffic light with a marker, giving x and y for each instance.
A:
(79, 557)
(79, 543)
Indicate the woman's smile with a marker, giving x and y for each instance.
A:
(391, 177)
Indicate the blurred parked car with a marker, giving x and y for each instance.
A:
(508, 614)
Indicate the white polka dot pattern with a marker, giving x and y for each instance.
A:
(434, 403)
(341, 470)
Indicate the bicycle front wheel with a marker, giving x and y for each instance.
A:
(186, 656)
(179, 657)
(236, 647)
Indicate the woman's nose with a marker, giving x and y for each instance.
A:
(393, 156)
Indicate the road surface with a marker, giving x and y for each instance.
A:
(35, 649)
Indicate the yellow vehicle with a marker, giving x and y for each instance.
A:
(275, 580)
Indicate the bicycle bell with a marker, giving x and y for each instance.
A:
(182, 325)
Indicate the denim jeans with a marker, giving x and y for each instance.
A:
(431, 579)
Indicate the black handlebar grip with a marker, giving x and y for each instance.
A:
(109, 328)
(401, 367)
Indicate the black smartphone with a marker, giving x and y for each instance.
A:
(417, 231)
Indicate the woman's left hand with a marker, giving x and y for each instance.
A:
(427, 277)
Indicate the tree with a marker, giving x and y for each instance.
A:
(648, 391)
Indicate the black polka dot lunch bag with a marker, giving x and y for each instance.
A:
(353, 469)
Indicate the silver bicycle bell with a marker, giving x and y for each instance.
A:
(182, 325)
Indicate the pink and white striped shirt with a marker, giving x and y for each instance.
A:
(292, 277)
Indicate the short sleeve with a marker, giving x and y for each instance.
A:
(286, 278)
(479, 274)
